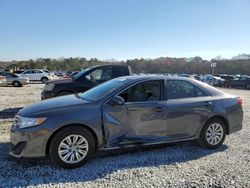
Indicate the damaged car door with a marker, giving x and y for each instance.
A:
(136, 115)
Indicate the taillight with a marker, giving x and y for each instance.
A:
(239, 101)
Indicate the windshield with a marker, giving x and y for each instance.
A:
(102, 90)
(79, 74)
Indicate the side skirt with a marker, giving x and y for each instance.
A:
(146, 144)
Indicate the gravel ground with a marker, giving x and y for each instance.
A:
(178, 165)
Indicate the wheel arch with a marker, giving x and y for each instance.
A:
(92, 132)
(222, 118)
(216, 116)
(44, 77)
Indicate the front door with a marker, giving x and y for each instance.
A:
(142, 119)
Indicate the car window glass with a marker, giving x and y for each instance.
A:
(38, 72)
(28, 72)
(146, 91)
(177, 89)
(200, 93)
(102, 74)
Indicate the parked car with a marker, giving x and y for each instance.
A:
(213, 80)
(3, 81)
(239, 82)
(125, 112)
(84, 80)
(37, 75)
(13, 79)
(227, 77)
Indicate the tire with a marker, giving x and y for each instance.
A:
(16, 84)
(60, 139)
(64, 93)
(44, 80)
(216, 137)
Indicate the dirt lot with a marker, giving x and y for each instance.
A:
(179, 165)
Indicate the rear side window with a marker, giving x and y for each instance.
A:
(178, 89)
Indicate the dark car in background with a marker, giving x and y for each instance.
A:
(125, 112)
(242, 82)
(84, 80)
(227, 77)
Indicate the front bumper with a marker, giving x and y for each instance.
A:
(29, 142)
(3, 83)
(47, 95)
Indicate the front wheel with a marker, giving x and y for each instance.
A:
(72, 147)
(44, 80)
(16, 84)
(212, 134)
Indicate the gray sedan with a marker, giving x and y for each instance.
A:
(13, 79)
(124, 112)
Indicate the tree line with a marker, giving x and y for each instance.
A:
(195, 65)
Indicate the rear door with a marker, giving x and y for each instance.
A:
(142, 119)
(38, 75)
(188, 106)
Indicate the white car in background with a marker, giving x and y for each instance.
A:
(37, 75)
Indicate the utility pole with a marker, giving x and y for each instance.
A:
(213, 65)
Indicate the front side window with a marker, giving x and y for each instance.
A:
(146, 91)
(177, 89)
(100, 75)
(28, 72)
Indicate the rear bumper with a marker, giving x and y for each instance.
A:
(235, 128)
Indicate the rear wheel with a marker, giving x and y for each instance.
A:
(72, 147)
(212, 134)
(44, 80)
(16, 84)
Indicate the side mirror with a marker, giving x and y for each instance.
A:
(116, 100)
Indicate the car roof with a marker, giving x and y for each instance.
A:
(154, 77)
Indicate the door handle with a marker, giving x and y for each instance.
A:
(158, 109)
(207, 103)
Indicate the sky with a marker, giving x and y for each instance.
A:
(123, 29)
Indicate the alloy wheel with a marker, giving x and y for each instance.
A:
(214, 134)
(73, 149)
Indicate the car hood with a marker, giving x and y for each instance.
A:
(51, 104)
(61, 81)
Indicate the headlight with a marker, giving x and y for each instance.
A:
(23, 122)
(49, 87)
